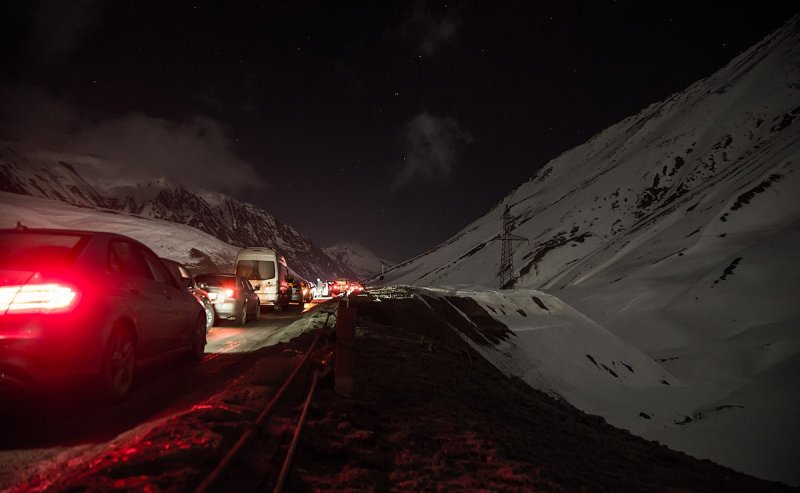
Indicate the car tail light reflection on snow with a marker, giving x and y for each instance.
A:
(37, 298)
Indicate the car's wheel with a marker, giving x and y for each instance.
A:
(119, 365)
(199, 338)
(241, 318)
(211, 315)
(256, 312)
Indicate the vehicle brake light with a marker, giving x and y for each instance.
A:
(41, 298)
(223, 295)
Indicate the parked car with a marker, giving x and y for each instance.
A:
(266, 271)
(185, 279)
(233, 297)
(306, 292)
(356, 287)
(83, 303)
(339, 286)
(301, 291)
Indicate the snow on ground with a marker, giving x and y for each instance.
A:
(249, 339)
(733, 401)
(190, 246)
(676, 231)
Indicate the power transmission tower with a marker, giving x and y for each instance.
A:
(507, 277)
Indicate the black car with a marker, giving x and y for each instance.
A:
(183, 276)
(83, 303)
(233, 296)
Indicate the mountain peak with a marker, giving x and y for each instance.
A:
(53, 175)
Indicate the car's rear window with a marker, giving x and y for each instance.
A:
(256, 270)
(215, 280)
(21, 250)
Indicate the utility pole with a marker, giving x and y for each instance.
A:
(507, 277)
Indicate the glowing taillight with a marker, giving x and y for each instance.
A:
(33, 298)
(223, 295)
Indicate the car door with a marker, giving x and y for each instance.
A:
(243, 286)
(134, 282)
(177, 308)
(254, 303)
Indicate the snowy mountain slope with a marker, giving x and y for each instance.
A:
(197, 250)
(359, 259)
(556, 349)
(677, 231)
(58, 176)
(717, 139)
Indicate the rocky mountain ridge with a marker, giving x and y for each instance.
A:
(58, 176)
(361, 260)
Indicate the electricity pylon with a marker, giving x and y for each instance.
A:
(507, 277)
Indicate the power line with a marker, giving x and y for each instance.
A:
(507, 276)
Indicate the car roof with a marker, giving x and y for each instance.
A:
(58, 231)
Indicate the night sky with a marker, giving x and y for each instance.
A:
(392, 124)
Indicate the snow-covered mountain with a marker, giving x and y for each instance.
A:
(199, 251)
(58, 176)
(359, 259)
(677, 231)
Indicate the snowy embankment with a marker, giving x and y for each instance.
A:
(192, 247)
(675, 230)
(557, 350)
(746, 424)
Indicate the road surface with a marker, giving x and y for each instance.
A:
(72, 422)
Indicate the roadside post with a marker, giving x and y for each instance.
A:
(345, 337)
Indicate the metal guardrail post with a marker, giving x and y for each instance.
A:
(345, 337)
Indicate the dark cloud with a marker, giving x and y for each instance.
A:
(432, 145)
(134, 147)
(428, 32)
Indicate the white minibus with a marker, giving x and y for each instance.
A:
(266, 271)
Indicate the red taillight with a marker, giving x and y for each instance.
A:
(223, 295)
(37, 298)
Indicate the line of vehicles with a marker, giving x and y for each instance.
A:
(98, 305)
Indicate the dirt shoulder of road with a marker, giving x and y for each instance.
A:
(429, 414)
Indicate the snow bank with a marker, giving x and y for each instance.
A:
(185, 244)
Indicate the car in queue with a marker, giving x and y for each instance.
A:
(301, 290)
(356, 287)
(186, 280)
(339, 287)
(233, 297)
(266, 271)
(78, 304)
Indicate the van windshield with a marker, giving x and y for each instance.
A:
(256, 270)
